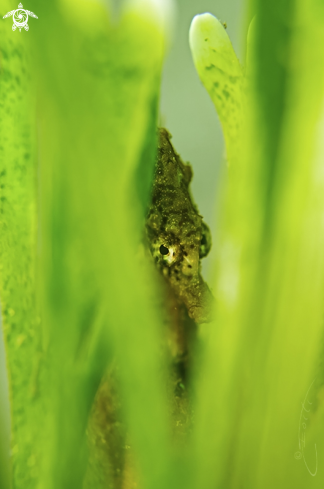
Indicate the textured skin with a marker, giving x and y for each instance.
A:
(174, 223)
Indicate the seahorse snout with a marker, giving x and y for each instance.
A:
(190, 263)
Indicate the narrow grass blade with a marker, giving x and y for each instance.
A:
(99, 88)
(18, 234)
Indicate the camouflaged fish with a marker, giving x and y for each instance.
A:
(178, 237)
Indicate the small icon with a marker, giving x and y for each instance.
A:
(20, 18)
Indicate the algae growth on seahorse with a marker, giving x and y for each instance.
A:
(178, 237)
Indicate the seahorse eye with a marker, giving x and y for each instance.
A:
(164, 250)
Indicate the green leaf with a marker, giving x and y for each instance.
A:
(222, 76)
(97, 93)
(18, 234)
(263, 349)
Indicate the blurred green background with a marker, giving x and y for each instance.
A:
(188, 113)
(97, 104)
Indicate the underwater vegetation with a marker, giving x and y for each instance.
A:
(116, 379)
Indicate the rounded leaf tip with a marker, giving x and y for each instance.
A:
(207, 27)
